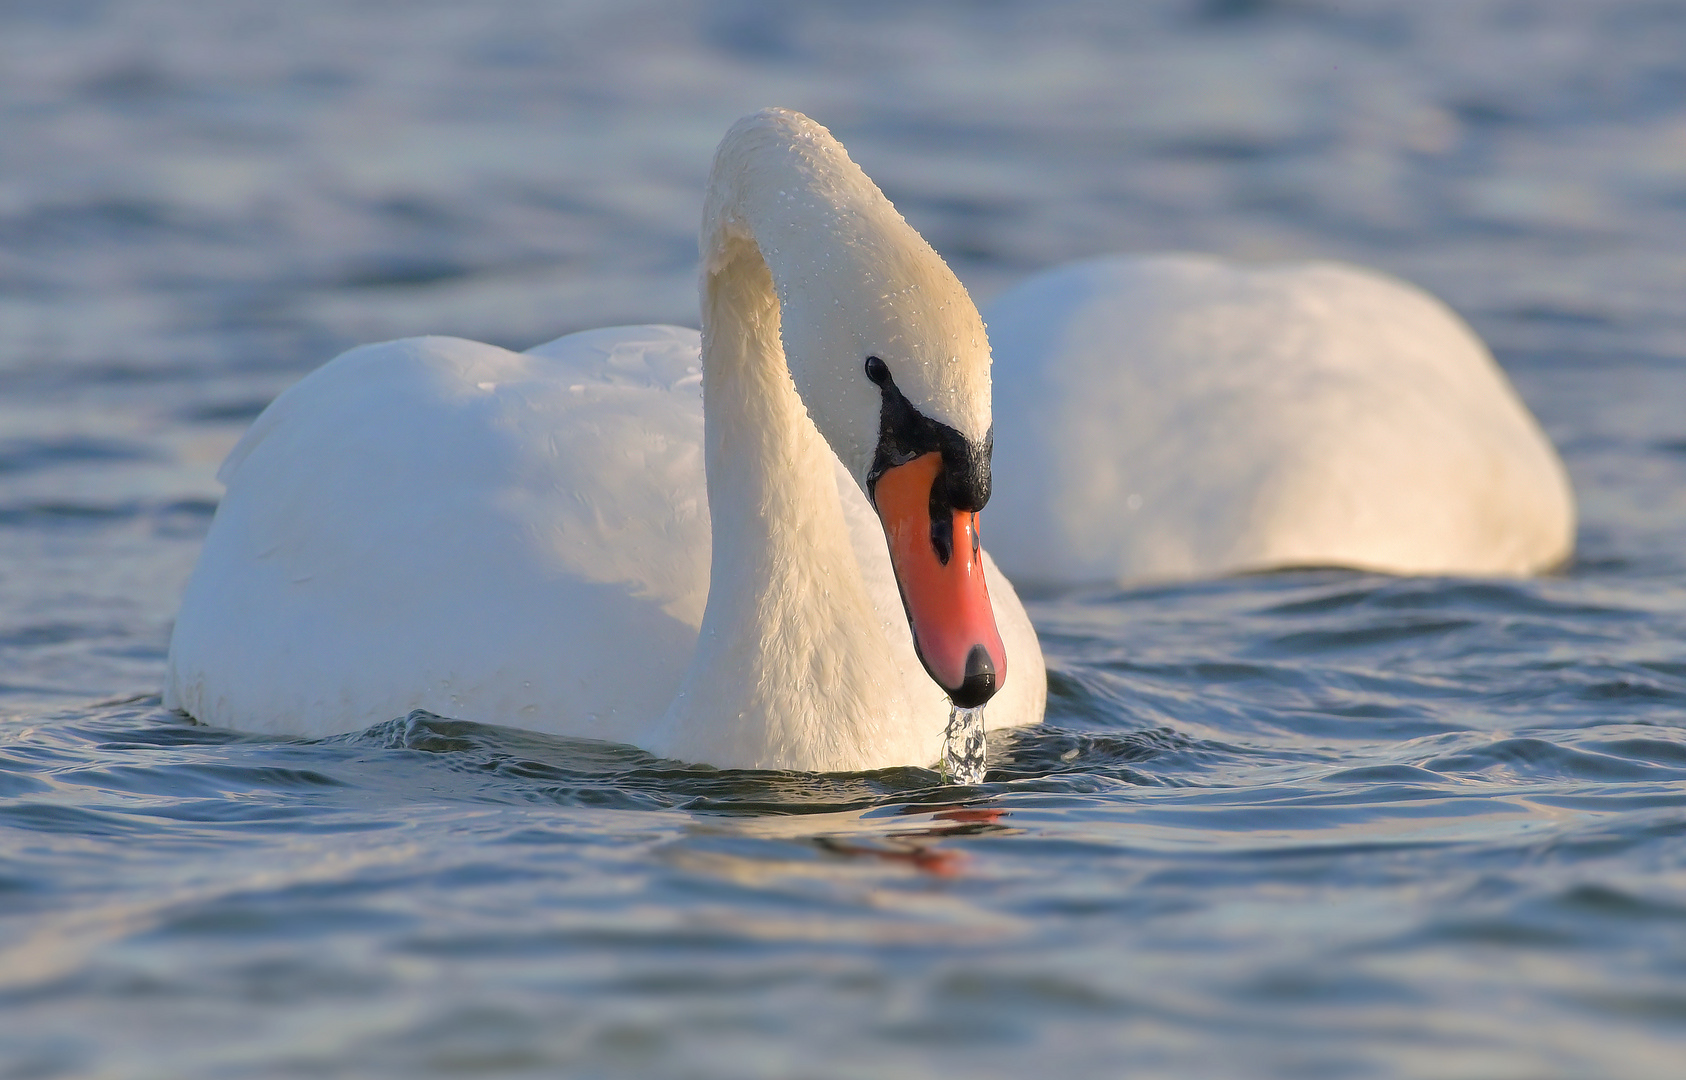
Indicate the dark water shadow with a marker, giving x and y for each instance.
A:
(159, 763)
(531, 767)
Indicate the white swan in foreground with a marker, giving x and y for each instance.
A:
(1179, 416)
(529, 539)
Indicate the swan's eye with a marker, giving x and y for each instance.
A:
(877, 370)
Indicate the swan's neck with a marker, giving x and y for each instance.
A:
(791, 668)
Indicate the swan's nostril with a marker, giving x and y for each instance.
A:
(980, 683)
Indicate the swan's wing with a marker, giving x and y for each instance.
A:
(435, 523)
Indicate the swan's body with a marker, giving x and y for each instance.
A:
(1181, 416)
(531, 539)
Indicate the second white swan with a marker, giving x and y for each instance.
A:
(1176, 416)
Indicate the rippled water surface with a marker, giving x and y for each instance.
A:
(1308, 824)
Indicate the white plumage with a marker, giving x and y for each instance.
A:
(526, 538)
(1179, 416)
(556, 539)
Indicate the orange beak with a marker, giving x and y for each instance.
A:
(939, 568)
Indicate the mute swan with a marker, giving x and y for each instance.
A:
(1178, 416)
(529, 538)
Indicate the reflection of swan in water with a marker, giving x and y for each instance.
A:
(918, 848)
(1175, 416)
(529, 538)
(912, 838)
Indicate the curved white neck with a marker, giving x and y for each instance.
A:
(791, 669)
(807, 270)
(852, 280)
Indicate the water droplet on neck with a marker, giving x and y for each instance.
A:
(963, 746)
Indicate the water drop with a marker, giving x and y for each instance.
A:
(963, 746)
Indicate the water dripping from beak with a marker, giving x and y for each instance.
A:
(963, 746)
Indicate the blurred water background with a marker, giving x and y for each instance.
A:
(1311, 824)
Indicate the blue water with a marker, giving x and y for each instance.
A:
(1309, 824)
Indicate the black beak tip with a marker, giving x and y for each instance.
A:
(980, 682)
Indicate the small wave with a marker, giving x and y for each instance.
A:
(31, 455)
(55, 514)
(1534, 759)
(225, 412)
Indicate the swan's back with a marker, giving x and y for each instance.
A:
(515, 538)
(1177, 416)
(483, 531)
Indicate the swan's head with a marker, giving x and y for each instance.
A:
(928, 481)
(890, 357)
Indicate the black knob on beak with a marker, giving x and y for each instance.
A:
(979, 685)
